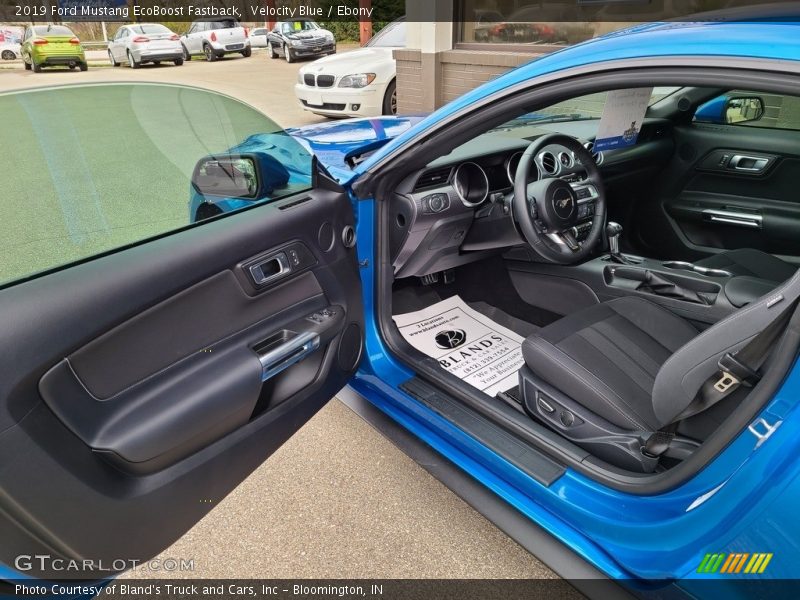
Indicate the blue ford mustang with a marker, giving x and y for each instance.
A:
(576, 285)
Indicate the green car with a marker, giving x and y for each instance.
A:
(51, 45)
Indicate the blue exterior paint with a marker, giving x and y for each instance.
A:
(741, 502)
(331, 142)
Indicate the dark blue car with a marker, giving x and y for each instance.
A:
(571, 294)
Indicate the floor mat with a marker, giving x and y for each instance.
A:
(516, 325)
(467, 343)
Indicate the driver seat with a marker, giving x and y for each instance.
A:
(611, 375)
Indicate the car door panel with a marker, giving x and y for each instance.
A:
(137, 397)
(727, 187)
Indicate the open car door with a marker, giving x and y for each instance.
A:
(153, 354)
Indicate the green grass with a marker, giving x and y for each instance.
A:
(99, 167)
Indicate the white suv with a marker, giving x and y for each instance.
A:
(214, 38)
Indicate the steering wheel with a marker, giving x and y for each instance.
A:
(547, 210)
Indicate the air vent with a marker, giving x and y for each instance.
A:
(293, 203)
(549, 163)
(597, 156)
(433, 178)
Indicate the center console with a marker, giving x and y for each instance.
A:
(697, 293)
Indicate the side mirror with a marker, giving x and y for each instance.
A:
(251, 176)
(744, 109)
(727, 109)
(229, 177)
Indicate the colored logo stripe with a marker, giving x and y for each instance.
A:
(735, 562)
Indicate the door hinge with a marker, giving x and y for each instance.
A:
(763, 430)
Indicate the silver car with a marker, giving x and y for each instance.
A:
(145, 43)
(9, 51)
(258, 37)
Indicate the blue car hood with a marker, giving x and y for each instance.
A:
(333, 142)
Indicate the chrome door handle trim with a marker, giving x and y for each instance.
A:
(287, 354)
(727, 217)
(759, 163)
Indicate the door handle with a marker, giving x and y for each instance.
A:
(270, 269)
(276, 358)
(728, 217)
(750, 164)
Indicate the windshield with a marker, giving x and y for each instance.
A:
(391, 36)
(299, 26)
(149, 28)
(581, 108)
(229, 24)
(52, 30)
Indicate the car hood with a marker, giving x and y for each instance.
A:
(357, 61)
(334, 142)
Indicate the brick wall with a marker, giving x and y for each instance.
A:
(463, 70)
(427, 81)
(409, 82)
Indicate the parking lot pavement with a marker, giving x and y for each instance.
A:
(263, 83)
(338, 500)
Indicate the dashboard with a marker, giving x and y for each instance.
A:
(459, 208)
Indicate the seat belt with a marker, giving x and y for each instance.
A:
(739, 368)
(735, 369)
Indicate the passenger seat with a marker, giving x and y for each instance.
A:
(751, 263)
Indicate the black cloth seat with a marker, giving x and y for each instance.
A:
(606, 357)
(751, 263)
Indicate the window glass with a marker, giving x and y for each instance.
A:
(562, 22)
(584, 107)
(291, 26)
(146, 160)
(391, 36)
(52, 30)
(150, 28)
(227, 24)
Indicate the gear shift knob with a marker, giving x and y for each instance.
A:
(613, 231)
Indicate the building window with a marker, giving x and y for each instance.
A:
(535, 26)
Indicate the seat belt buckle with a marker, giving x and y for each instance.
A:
(726, 382)
(734, 372)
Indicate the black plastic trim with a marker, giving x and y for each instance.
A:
(532, 462)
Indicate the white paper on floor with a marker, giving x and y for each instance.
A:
(466, 343)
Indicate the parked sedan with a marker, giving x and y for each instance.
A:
(258, 37)
(299, 39)
(354, 84)
(9, 51)
(51, 45)
(145, 43)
